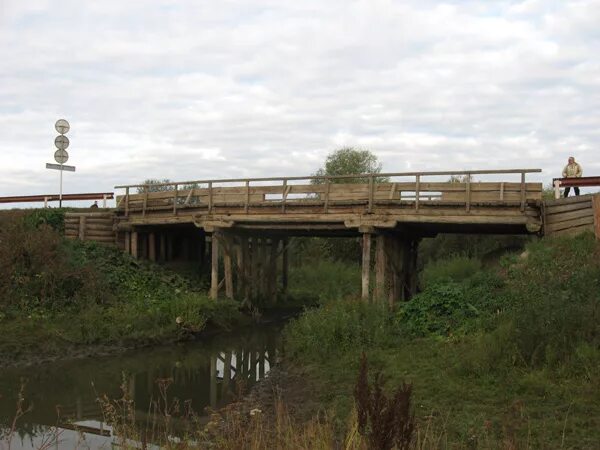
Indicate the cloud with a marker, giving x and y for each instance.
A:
(194, 90)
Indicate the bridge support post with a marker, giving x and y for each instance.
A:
(381, 264)
(152, 247)
(134, 244)
(284, 266)
(214, 267)
(366, 265)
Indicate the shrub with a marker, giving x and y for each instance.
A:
(457, 268)
(325, 280)
(337, 327)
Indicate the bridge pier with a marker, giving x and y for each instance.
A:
(252, 266)
(396, 274)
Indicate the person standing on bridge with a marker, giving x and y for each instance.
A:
(572, 170)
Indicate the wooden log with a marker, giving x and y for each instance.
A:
(366, 266)
(134, 244)
(245, 266)
(214, 267)
(128, 242)
(380, 268)
(254, 273)
(284, 266)
(227, 263)
(573, 231)
(586, 220)
(162, 247)
(152, 247)
(563, 217)
(557, 209)
(82, 227)
(273, 269)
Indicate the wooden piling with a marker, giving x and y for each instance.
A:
(366, 265)
(214, 267)
(134, 244)
(380, 268)
(227, 263)
(151, 246)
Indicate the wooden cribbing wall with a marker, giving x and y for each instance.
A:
(247, 223)
(572, 215)
(90, 226)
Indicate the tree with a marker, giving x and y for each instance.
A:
(153, 185)
(348, 161)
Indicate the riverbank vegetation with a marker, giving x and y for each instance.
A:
(501, 358)
(57, 293)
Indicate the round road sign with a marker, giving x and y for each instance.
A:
(61, 156)
(61, 142)
(62, 126)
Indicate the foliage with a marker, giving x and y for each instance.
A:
(53, 217)
(348, 161)
(155, 185)
(457, 269)
(484, 247)
(57, 290)
(339, 326)
(386, 421)
(324, 280)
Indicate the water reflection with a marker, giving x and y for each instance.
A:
(61, 394)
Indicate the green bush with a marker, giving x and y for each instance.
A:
(457, 268)
(551, 307)
(325, 280)
(337, 327)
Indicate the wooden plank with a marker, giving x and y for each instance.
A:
(567, 200)
(587, 220)
(366, 266)
(557, 209)
(574, 230)
(596, 209)
(557, 218)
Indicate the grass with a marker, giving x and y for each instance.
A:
(56, 294)
(505, 359)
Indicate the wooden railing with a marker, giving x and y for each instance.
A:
(327, 192)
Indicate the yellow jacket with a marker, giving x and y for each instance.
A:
(572, 171)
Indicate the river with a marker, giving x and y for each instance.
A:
(61, 398)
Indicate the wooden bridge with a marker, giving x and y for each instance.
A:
(247, 222)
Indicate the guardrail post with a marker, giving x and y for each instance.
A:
(126, 202)
(556, 189)
(417, 191)
(523, 191)
(283, 195)
(104, 201)
(468, 193)
(247, 204)
(210, 196)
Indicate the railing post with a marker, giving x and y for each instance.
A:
(283, 195)
(417, 191)
(327, 186)
(523, 191)
(145, 203)
(175, 200)
(371, 193)
(126, 202)
(468, 193)
(210, 196)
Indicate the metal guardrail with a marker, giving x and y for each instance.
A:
(55, 197)
(574, 182)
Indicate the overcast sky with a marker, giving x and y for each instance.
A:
(199, 89)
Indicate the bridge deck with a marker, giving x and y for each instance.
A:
(341, 204)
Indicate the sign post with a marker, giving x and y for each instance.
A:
(60, 155)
